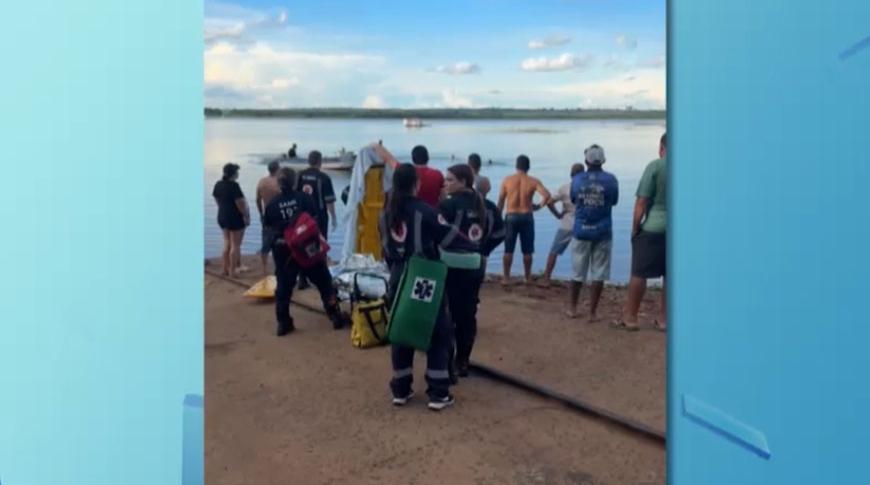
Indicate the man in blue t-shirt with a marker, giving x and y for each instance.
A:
(594, 193)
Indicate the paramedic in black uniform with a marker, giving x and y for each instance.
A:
(410, 227)
(318, 186)
(466, 210)
(281, 213)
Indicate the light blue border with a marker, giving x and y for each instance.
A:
(193, 447)
(101, 304)
(770, 165)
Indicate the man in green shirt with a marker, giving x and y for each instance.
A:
(648, 232)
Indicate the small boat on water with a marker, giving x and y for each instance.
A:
(341, 163)
(412, 122)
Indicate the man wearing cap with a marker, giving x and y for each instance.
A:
(594, 193)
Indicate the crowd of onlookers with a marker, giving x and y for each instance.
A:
(428, 212)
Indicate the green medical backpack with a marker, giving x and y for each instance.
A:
(417, 303)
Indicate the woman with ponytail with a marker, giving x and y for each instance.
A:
(464, 209)
(410, 227)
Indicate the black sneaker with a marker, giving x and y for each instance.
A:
(451, 373)
(285, 327)
(462, 369)
(340, 320)
(437, 404)
(401, 401)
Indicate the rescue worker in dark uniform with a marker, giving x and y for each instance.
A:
(279, 214)
(466, 210)
(410, 227)
(318, 186)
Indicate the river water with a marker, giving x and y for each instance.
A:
(552, 145)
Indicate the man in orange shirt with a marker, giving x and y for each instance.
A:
(516, 196)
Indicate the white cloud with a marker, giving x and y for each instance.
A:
(626, 41)
(374, 102)
(452, 99)
(228, 65)
(266, 76)
(240, 25)
(657, 62)
(459, 68)
(218, 31)
(645, 91)
(615, 62)
(551, 41)
(562, 63)
(285, 83)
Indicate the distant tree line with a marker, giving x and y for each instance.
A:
(439, 113)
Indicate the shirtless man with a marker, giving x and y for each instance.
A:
(267, 189)
(516, 198)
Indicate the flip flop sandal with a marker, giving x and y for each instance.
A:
(621, 325)
(658, 326)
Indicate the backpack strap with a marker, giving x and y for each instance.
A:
(367, 313)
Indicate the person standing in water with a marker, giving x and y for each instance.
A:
(233, 217)
(281, 213)
(594, 193)
(565, 232)
(317, 185)
(516, 198)
(410, 227)
(267, 189)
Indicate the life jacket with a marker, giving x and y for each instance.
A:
(307, 246)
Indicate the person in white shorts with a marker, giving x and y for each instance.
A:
(594, 193)
(565, 232)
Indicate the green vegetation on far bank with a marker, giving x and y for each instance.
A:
(441, 113)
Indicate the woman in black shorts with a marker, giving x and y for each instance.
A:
(233, 216)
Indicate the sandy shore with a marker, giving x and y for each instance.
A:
(309, 408)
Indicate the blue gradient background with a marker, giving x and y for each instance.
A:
(101, 302)
(770, 136)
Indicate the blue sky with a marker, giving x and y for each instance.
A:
(449, 53)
